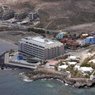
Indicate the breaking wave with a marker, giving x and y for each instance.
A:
(25, 78)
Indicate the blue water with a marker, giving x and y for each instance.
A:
(12, 84)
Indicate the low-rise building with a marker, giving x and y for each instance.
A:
(86, 69)
(83, 69)
(72, 63)
(90, 40)
(62, 67)
(75, 58)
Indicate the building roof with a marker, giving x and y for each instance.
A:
(90, 37)
(90, 40)
(41, 41)
(72, 63)
(86, 69)
(63, 66)
(72, 57)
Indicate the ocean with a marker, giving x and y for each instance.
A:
(12, 84)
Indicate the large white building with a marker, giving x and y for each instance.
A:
(41, 47)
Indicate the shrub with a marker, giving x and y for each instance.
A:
(85, 63)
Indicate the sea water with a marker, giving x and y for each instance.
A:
(12, 84)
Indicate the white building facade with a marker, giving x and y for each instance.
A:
(40, 47)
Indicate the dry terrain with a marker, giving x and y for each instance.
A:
(57, 14)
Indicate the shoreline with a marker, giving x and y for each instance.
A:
(74, 82)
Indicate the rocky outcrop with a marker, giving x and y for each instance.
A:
(75, 82)
(8, 14)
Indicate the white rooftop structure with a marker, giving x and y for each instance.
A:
(41, 41)
(62, 67)
(72, 58)
(72, 63)
(86, 69)
(90, 37)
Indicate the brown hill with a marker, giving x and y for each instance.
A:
(57, 14)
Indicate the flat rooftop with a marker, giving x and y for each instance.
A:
(41, 41)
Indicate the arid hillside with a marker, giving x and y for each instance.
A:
(57, 14)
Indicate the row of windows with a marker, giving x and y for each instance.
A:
(32, 47)
(32, 51)
(54, 52)
(34, 44)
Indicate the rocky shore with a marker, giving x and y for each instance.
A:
(74, 82)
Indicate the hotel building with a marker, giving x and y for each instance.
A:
(41, 47)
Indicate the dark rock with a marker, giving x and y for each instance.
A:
(89, 84)
(79, 85)
(70, 82)
(8, 14)
(21, 16)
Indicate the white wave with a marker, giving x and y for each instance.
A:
(66, 84)
(21, 74)
(43, 79)
(25, 78)
(49, 85)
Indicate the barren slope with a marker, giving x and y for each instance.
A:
(57, 14)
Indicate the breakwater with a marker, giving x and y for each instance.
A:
(63, 77)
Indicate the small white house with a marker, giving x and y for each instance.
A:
(62, 67)
(72, 57)
(86, 69)
(75, 58)
(72, 63)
